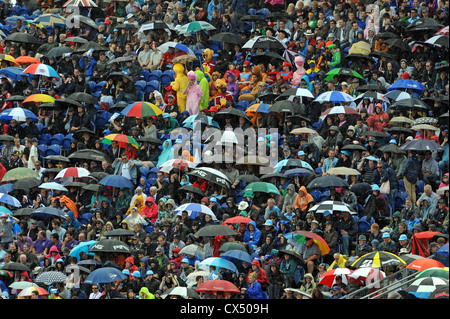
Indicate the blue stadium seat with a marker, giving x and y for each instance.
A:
(57, 139)
(155, 75)
(45, 138)
(42, 149)
(146, 75)
(102, 119)
(263, 12)
(54, 149)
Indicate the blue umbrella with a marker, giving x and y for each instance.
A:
(234, 254)
(14, 73)
(165, 47)
(104, 275)
(218, 262)
(443, 250)
(404, 84)
(194, 209)
(19, 114)
(291, 162)
(199, 118)
(5, 210)
(297, 172)
(334, 96)
(10, 200)
(116, 181)
(46, 213)
(82, 247)
(6, 188)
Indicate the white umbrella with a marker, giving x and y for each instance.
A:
(53, 186)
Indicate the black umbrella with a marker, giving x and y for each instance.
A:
(16, 98)
(211, 175)
(116, 75)
(75, 184)
(57, 158)
(15, 266)
(230, 113)
(88, 154)
(424, 25)
(26, 183)
(59, 51)
(110, 246)
(83, 98)
(248, 178)
(215, 230)
(276, 15)
(374, 134)
(271, 175)
(265, 56)
(5, 137)
(76, 40)
(299, 259)
(326, 182)
(25, 211)
(87, 21)
(268, 43)
(119, 232)
(93, 187)
(44, 213)
(398, 43)
(150, 139)
(412, 103)
(285, 106)
(422, 145)
(391, 148)
(99, 175)
(361, 190)
(121, 59)
(354, 147)
(192, 189)
(380, 54)
(387, 35)
(227, 37)
(22, 38)
(64, 100)
(91, 46)
(399, 129)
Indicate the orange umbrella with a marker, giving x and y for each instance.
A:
(69, 203)
(39, 98)
(424, 263)
(27, 60)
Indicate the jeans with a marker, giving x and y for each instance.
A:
(391, 198)
(345, 240)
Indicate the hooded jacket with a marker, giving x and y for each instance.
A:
(194, 95)
(150, 212)
(145, 294)
(232, 86)
(204, 85)
(289, 199)
(302, 202)
(252, 239)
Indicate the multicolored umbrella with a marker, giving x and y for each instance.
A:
(141, 109)
(39, 98)
(80, 3)
(77, 172)
(439, 41)
(367, 275)
(301, 236)
(378, 259)
(19, 114)
(434, 272)
(405, 84)
(338, 110)
(195, 26)
(26, 292)
(443, 31)
(176, 45)
(8, 58)
(425, 263)
(42, 69)
(180, 163)
(344, 72)
(423, 287)
(329, 277)
(122, 140)
(332, 206)
(19, 173)
(50, 20)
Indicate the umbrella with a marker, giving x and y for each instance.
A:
(378, 259)
(334, 96)
(338, 110)
(212, 175)
(262, 187)
(332, 206)
(293, 255)
(291, 162)
(444, 249)
(141, 109)
(121, 139)
(76, 40)
(359, 57)
(77, 172)
(22, 37)
(193, 189)
(150, 139)
(423, 25)
(176, 45)
(237, 255)
(19, 114)
(27, 60)
(433, 272)
(372, 95)
(238, 220)
(183, 292)
(28, 291)
(26, 183)
(398, 44)
(26, 211)
(303, 130)
(252, 160)
(22, 285)
(116, 181)
(218, 285)
(397, 95)
(411, 103)
(10, 200)
(119, 232)
(354, 147)
(405, 84)
(440, 293)
(42, 69)
(367, 275)
(443, 31)
(327, 181)
(39, 98)
(43, 213)
(252, 18)
(298, 92)
(50, 277)
(53, 186)
(182, 164)
(425, 120)
(400, 119)
(155, 25)
(110, 246)
(341, 170)
(297, 172)
(264, 42)
(301, 236)
(424, 263)
(89, 154)
(219, 263)
(230, 112)
(329, 277)
(417, 127)
(191, 278)
(195, 26)
(232, 246)
(215, 230)
(59, 51)
(83, 97)
(104, 275)
(194, 209)
(50, 20)
(342, 72)
(258, 108)
(423, 287)
(183, 59)
(438, 40)
(285, 106)
(82, 247)
(421, 145)
(15, 266)
(391, 148)
(194, 250)
(192, 120)
(88, 45)
(19, 173)
(80, 3)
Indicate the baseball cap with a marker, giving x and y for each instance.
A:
(386, 235)
(403, 237)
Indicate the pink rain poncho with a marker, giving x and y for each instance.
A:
(194, 95)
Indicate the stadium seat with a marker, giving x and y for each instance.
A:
(45, 138)
(146, 75)
(155, 75)
(57, 139)
(54, 149)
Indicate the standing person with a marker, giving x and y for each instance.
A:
(6, 229)
(237, 9)
(193, 94)
(410, 174)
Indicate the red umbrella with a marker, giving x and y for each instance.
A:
(443, 31)
(237, 219)
(424, 263)
(329, 278)
(218, 285)
(77, 172)
(367, 275)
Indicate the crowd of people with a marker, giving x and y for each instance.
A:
(115, 55)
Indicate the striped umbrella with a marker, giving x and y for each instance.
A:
(195, 26)
(367, 275)
(423, 287)
(378, 259)
(50, 20)
(332, 206)
(28, 291)
(42, 69)
(439, 41)
(121, 139)
(10, 200)
(19, 114)
(443, 31)
(334, 96)
(77, 172)
(329, 277)
(141, 109)
(39, 98)
(434, 272)
(80, 3)
(338, 110)
(194, 210)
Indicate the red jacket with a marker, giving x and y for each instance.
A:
(150, 212)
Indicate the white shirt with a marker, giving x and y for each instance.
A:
(126, 170)
(34, 154)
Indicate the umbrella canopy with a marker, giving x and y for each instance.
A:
(26, 211)
(80, 3)
(405, 84)
(303, 130)
(82, 247)
(122, 140)
(182, 164)
(219, 263)
(10, 200)
(334, 96)
(439, 41)
(367, 275)
(342, 170)
(262, 187)
(22, 37)
(193, 189)
(183, 292)
(434, 272)
(15, 266)
(53, 186)
(50, 277)
(44, 213)
(232, 246)
(141, 109)
(443, 31)
(332, 206)
(194, 210)
(89, 154)
(19, 114)
(28, 291)
(301, 236)
(104, 275)
(338, 110)
(218, 285)
(378, 259)
(19, 173)
(407, 104)
(176, 45)
(58, 52)
(264, 42)
(110, 246)
(195, 26)
(83, 97)
(285, 106)
(297, 172)
(42, 69)
(50, 20)
(22, 285)
(423, 287)
(77, 172)
(237, 255)
(421, 145)
(292, 162)
(194, 250)
(27, 60)
(215, 230)
(440, 293)
(238, 220)
(116, 181)
(345, 72)
(424, 263)
(212, 175)
(326, 182)
(329, 277)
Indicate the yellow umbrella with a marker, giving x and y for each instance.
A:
(360, 47)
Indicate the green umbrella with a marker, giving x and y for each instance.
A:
(342, 71)
(19, 173)
(22, 285)
(263, 187)
(434, 272)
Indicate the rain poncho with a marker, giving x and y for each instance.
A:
(180, 84)
(232, 86)
(138, 203)
(194, 95)
(300, 72)
(302, 202)
(159, 100)
(150, 212)
(166, 154)
(204, 85)
(339, 264)
(145, 294)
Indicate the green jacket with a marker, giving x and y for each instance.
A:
(336, 60)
